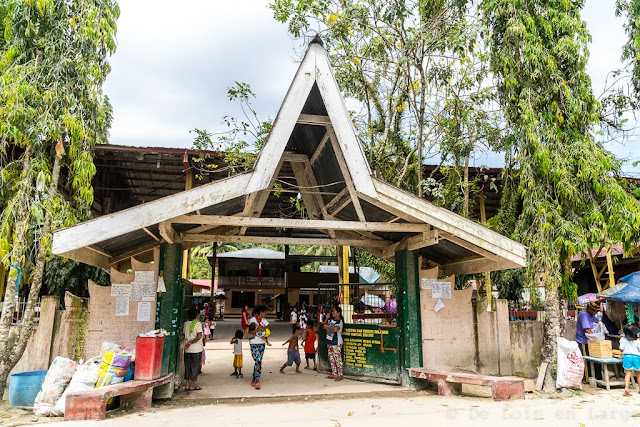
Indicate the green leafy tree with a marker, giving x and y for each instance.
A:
(394, 58)
(571, 200)
(241, 141)
(62, 275)
(53, 62)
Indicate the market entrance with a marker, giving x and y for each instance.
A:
(311, 186)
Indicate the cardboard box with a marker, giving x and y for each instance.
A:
(601, 349)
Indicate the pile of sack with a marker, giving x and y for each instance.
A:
(65, 376)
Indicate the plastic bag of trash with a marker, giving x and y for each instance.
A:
(56, 380)
(570, 365)
(84, 378)
(110, 346)
(113, 368)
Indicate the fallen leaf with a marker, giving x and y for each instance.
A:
(635, 416)
(443, 404)
(349, 414)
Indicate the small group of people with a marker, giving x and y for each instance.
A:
(255, 328)
(590, 319)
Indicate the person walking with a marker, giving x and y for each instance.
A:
(244, 321)
(334, 343)
(193, 348)
(258, 342)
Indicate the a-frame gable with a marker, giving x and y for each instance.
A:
(314, 68)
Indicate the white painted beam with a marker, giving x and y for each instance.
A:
(452, 223)
(133, 219)
(306, 224)
(312, 119)
(285, 240)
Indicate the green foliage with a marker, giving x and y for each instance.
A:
(199, 268)
(62, 274)
(53, 62)
(244, 137)
(571, 200)
(417, 73)
(631, 50)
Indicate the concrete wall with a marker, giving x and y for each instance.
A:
(462, 337)
(526, 345)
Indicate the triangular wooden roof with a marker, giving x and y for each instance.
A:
(312, 152)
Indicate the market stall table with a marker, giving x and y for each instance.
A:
(614, 361)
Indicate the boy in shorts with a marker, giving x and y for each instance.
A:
(309, 343)
(293, 355)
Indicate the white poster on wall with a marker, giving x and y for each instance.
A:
(144, 311)
(426, 283)
(122, 306)
(121, 290)
(441, 290)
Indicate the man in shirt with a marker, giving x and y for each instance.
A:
(585, 324)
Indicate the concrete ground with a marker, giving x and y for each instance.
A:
(590, 408)
(312, 400)
(218, 384)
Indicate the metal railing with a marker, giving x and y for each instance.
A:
(367, 303)
(21, 307)
(519, 311)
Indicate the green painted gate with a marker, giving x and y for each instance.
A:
(370, 351)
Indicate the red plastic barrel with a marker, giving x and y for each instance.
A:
(148, 358)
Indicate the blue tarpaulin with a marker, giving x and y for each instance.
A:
(630, 293)
(632, 279)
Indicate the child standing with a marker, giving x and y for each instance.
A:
(630, 346)
(237, 354)
(293, 356)
(310, 345)
(207, 329)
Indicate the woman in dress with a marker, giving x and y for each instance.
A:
(244, 321)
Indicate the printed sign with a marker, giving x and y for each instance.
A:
(441, 290)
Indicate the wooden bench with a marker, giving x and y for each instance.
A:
(92, 404)
(502, 388)
(606, 381)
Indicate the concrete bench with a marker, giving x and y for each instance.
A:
(92, 404)
(502, 388)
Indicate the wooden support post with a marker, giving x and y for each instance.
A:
(594, 269)
(170, 305)
(612, 281)
(409, 320)
(344, 267)
(186, 256)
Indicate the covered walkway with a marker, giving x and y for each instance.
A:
(217, 384)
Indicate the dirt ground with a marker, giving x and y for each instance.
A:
(312, 400)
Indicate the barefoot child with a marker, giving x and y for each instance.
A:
(310, 345)
(630, 346)
(293, 355)
(237, 354)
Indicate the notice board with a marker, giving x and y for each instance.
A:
(369, 351)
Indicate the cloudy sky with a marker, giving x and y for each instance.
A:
(175, 62)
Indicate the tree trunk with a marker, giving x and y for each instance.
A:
(465, 184)
(26, 328)
(17, 253)
(551, 331)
